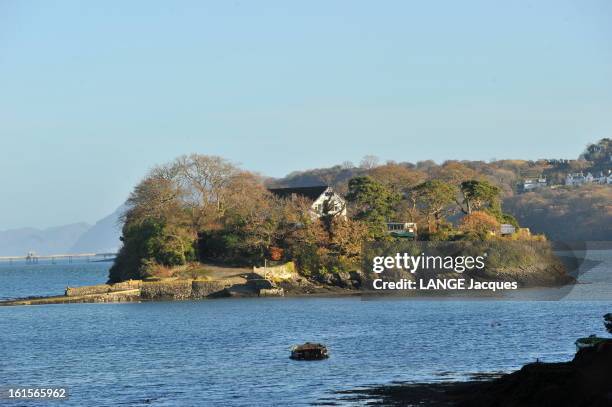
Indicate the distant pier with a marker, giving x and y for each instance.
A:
(33, 258)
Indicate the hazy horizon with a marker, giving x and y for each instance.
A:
(95, 94)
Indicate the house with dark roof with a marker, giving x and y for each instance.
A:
(324, 200)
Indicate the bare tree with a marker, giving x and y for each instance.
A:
(207, 180)
(157, 196)
(347, 165)
(369, 161)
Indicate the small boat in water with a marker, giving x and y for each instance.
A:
(309, 351)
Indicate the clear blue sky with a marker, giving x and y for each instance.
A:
(92, 94)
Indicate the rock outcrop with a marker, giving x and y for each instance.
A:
(586, 381)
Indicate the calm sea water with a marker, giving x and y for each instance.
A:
(235, 352)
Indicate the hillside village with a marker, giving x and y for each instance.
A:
(576, 179)
(594, 167)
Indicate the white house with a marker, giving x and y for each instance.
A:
(324, 200)
(579, 178)
(603, 179)
(530, 184)
(576, 179)
(507, 229)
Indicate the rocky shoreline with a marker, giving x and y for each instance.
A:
(584, 381)
(277, 281)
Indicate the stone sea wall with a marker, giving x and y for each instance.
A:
(116, 296)
(173, 289)
(102, 288)
(181, 289)
(202, 288)
(87, 290)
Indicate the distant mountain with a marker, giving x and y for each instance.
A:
(101, 237)
(74, 238)
(54, 240)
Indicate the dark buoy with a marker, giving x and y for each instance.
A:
(309, 351)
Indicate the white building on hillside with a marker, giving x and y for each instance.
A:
(529, 184)
(579, 178)
(324, 200)
(603, 179)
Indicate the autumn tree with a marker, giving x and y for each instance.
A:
(206, 180)
(397, 177)
(148, 243)
(155, 227)
(251, 217)
(426, 165)
(158, 197)
(453, 172)
(301, 235)
(478, 194)
(372, 203)
(347, 237)
(434, 199)
(479, 225)
(169, 209)
(400, 179)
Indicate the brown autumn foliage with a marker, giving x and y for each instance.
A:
(398, 177)
(571, 214)
(479, 223)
